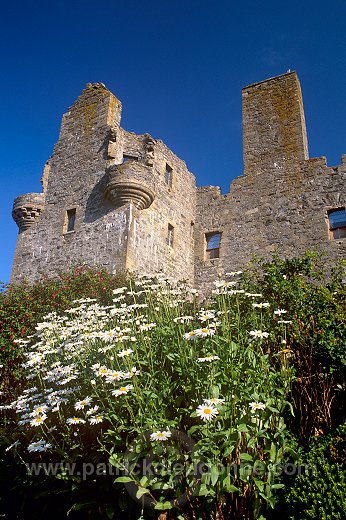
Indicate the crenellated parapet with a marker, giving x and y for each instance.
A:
(130, 182)
(27, 209)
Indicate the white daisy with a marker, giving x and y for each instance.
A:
(96, 419)
(122, 390)
(81, 404)
(190, 335)
(207, 359)
(92, 410)
(259, 334)
(39, 410)
(75, 420)
(206, 412)
(256, 406)
(203, 333)
(40, 445)
(124, 353)
(206, 315)
(280, 311)
(160, 436)
(213, 401)
(115, 375)
(37, 421)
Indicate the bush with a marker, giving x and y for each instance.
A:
(315, 300)
(322, 493)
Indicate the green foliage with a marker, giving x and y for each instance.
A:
(322, 492)
(315, 301)
(264, 354)
(210, 381)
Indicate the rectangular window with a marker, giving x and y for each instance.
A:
(170, 235)
(169, 175)
(127, 157)
(213, 241)
(337, 223)
(71, 219)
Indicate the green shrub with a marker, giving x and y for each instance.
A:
(315, 300)
(322, 493)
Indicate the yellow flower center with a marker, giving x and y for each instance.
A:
(207, 411)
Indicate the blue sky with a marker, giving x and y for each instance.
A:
(178, 67)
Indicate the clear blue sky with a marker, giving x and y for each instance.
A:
(177, 66)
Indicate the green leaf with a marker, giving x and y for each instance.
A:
(141, 491)
(278, 486)
(214, 475)
(259, 484)
(162, 506)
(203, 491)
(272, 452)
(82, 505)
(246, 457)
(124, 479)
(229, 488)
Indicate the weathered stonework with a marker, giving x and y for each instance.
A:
(115, 198)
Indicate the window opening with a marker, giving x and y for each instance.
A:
(213, 245)
(71, 219)
(168, 175)
(127, 157)
(337, 223)
(170, 235)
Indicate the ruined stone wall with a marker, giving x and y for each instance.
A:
(281, 203)
(174, 205)
(110, 177)
(137, 207)
(74, 178)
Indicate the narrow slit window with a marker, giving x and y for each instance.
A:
(170, 235)
(337, 223)
(213, 241)
(192, 227)
(127, 157)
(169, 175)
(71, 219)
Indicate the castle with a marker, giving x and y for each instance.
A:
(127, 202)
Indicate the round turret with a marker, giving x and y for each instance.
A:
(130, 182)
(27, 209)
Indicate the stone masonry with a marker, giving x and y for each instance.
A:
(127, 202)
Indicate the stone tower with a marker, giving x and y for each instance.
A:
(109, 197)
(125, 201)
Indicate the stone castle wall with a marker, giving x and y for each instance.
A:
(136, 205)
(87, 174)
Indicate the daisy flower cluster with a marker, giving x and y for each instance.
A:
(96, 367)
